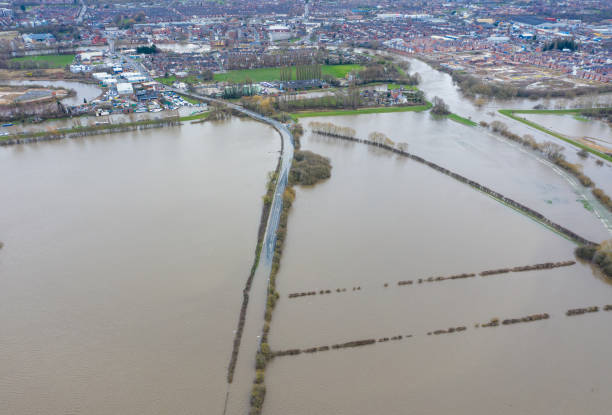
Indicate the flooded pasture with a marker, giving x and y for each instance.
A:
(381, 219)
(123, 266)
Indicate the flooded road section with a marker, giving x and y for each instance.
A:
(124, 262)
(381, 219)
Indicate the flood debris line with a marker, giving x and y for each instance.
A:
(343, 133)
(580, 311)
(522, 268)
(608, 307)
(265, 212)
(338, 346)
(447, 331)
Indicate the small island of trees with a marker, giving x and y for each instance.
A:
(309, 168)
(599, 255)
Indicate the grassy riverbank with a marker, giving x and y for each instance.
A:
(376, 110)
(462, 120)
(195, 116)
(512, 114)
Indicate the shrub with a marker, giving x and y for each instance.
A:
(439, 107)
(309, 168)
(600, 256)
(260, 361)
(259, 376)
(585, 252)
(258, 394)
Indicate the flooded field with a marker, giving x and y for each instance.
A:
(381, 219)
(573, 126)
(126, 255)
(123, 266)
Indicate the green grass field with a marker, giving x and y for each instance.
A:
(273, 74)
(377, 110)
(512, 114)
(172, 78)
(461, 120)
(195, 116)
(398, 86)
(55, 61)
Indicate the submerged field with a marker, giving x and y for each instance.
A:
(381, 219)
(123, 266)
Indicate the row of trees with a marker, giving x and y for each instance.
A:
(560, 44)
(376, 137)
(386, 72)
(302, 72)
(331, 129)
(147, 50)
(345, 99)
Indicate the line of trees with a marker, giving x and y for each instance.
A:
(147, 50)
(332, 129)
(302, 72)
(560, 44)
(345, 99)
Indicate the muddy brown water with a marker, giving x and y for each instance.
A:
(125, 258)
(381, 219)
(123, 267)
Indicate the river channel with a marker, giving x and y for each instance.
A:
(123, 267)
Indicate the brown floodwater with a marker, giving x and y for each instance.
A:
(568, 125)
(380, 219)
(123, 267)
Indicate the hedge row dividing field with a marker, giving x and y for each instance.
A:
(522, 268)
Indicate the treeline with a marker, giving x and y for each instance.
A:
(604, 114)
(560, 44)
(554, 153)
(309, 168)
(302, 72)
(600, 255)
(386, 72)
(341, 99)
(147, 50)
(25, 64)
